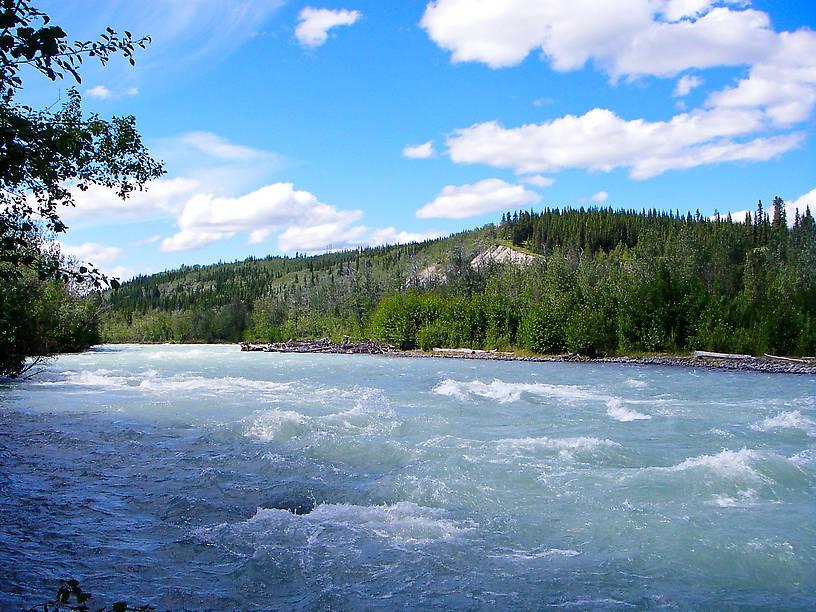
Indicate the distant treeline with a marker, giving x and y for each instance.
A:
(607, 282)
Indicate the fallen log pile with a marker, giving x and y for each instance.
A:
(324, 345)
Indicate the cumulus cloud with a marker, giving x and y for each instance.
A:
(100, 256)
(389, 235)
(675, 10)
(648, 37)
(489, 195)
(314, 24)
(601, 196)
(686, 84)
(784, 83)
(91, 252)
(99, 203)
(800, 204)
(538, 181)
(601, 140)
(422, 151)
(100, 92)
(321, 237)
(338, 237)
(207, 219)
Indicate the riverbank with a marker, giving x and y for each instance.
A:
(741, 363)
(765, 365)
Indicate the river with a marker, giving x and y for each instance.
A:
(204, 478)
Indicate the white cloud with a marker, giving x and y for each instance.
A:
(123, 273)
(212, 165)
(100, 92)
(791, 206)
(784, 83)
(187, 35)
(675, 10)
(98, 203)
(422, 151)
(601, 196)
(656, 37)
(221, 168)
(215, 146)
(538, 181)
(207, 219)
(389, 235)
(99, 256)
(337, 237)
(801, 204)
(489, 195)
(314, 24)
(91, 252)
(149, 240)
(322, 237)
(649, 37)
(686, 84)
(601, 140)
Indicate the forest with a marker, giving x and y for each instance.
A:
(600, 282)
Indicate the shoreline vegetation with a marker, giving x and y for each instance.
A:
(595, 282)
(768, 364)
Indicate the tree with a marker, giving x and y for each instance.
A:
(45, 155)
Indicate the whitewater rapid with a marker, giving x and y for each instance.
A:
(201, 477)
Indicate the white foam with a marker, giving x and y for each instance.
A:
(149, 381)
(637, 384)
(400, 524)
(278, 425)
(743, 499)
(619, 412)
(725, 463)
(806, 457)
(510, 392)
(787, 420)
(583, 443)
(105, 379)
(542, 553)
(403, 522)
(176, 353)
(229, 384)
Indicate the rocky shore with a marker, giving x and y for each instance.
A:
(324, 345)
(768, 365)
(742, 363)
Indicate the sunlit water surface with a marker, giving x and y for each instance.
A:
(200, 477)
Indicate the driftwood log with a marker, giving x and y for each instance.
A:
(324, 345)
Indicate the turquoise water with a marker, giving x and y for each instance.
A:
(200, 477)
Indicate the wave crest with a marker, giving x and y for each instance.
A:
(619, 412)
(504, 392)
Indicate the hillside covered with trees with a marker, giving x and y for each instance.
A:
(605, 282)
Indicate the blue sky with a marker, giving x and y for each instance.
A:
(293, 126)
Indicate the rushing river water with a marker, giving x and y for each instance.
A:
(200, 477)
